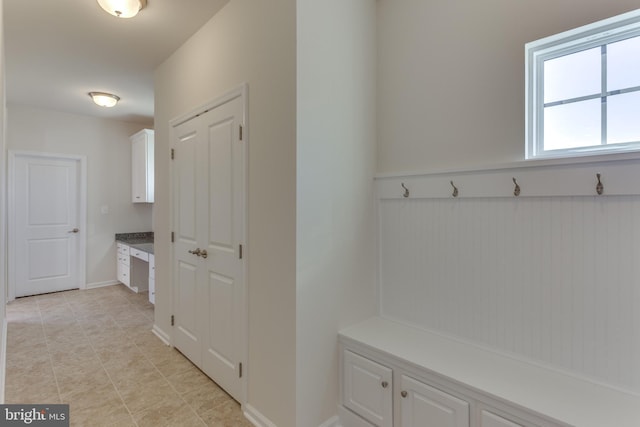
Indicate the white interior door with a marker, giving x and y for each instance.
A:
(45, 232)
(209, 219)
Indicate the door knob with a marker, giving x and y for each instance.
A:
(204, 253)
(196, 252)
(75, 230)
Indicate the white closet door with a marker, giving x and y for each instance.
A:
(209, 224)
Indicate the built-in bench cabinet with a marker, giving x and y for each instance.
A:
(394, 375)
(369, 392)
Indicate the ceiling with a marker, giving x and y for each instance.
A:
(56, 51)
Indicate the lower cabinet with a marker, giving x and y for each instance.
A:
(152, 279)
(421, 403)
(368, 388)
(383, 394)
(123, 266)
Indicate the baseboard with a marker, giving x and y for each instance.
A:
(164, 337)
(3, 358)
(255, 417)
(101, 284)
(332, 422)
(349, 419)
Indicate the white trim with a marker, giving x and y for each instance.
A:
(331, 422)
(242, 92)
(164, 337)
(3, 358)
(95, 285)
(536, 52)
(535, 180)
(350, 419)
(82, 215)
(255, 417)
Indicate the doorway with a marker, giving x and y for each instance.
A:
(47, 217)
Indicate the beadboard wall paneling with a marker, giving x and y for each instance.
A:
(552, 279)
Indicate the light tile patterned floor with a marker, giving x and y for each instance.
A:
(94, 350)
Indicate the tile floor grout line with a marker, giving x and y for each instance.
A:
(49, 358)
(128, 319)
(84, 332)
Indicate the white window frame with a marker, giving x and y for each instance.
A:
(597, 34)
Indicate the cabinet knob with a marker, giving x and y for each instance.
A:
(403, 393)
(204, 253)
(385, 384)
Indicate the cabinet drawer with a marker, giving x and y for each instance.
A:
(367, 389)
(139, 254)
(122, 249)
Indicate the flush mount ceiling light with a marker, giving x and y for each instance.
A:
(123, 8)
(104, 99)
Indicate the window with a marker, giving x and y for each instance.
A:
(583, 90)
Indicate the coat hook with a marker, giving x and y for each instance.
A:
(516, 190)
(599, 186)
(406, 191)
(455, 190)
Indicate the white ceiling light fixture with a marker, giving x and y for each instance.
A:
(123, 8)
(104, 99)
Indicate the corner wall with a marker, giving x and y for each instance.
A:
(252, 42)
(336, 258)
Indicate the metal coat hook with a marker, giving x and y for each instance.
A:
(455, 190)
(516, 190)
(406, 191)
(599, 186)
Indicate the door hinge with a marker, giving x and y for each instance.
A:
(173, 154)
(240, 251)
(173, 236)
(172, 320)
(240, 132)
(240, 370)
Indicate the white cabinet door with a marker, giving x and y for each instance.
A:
(422, 405)
(142, 169)
(122, 266)
(367, 389)
(489, 419)
(152, 279)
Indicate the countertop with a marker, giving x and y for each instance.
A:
(141, 241)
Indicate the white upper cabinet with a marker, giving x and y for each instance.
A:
(142, 166)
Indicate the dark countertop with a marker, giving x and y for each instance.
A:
(140, 241)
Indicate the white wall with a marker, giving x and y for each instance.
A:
(551, 279)
(107, 147)
(335, 166)
(252, 42)
(451, 77)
